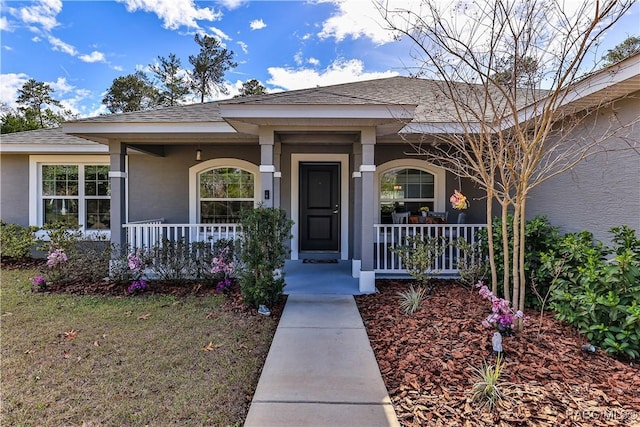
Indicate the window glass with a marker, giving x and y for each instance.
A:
(76, 195)
(224, 193)
(405, 189)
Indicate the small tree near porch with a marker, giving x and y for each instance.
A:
(263, 252)
(507, 68)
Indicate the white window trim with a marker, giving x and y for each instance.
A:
(343, 159)
(35, 186)
(194, 182)
(439, 181)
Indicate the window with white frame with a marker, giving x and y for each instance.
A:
(406, 190)
(75, 194)
(224, 192)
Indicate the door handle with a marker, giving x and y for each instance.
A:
(337, 209)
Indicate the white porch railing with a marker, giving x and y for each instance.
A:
(388, 236)
(146, 235)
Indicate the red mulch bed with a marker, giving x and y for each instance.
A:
(427, 361)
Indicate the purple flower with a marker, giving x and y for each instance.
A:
(137, 286)
(223, 285)
(39, 282)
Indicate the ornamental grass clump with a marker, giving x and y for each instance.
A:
(487, 389)
(411, 299)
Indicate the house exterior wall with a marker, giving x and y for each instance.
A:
(158, 187)
(14, 189)
(602, 191)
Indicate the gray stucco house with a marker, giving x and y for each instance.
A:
(335, 158)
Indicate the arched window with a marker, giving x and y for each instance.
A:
(406, 190)
(223, 193)
(407, 185)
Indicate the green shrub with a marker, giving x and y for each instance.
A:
(60, 236)
(598, 289)
(471, 264)
(419, 256)
(172, 260)
(263, 250)
(540, 237)
(16, 241)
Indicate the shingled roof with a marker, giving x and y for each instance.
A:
(54, 136)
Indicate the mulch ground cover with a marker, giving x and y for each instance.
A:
(428, 359)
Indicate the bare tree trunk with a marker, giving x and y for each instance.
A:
(515, 256)
(492, 259)
(523, 233)
(505, 251)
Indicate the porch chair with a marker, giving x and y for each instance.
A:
(400, 217)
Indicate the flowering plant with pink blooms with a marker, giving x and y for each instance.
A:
(223, 267)
(502, 316)
(459, 201)
(56, 258)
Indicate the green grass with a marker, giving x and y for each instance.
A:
(134, 361)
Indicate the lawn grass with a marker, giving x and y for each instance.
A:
(74, 360)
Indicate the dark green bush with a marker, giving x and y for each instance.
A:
(16, 241)
(540, 238)
(262, 253)
(597, 289)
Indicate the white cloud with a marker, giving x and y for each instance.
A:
(313, 61)
(298, 58)
(257, 24)
(232, 4)
(9, 85)
(4, 24)
(94, 56)
(174, 13)
(58, 44)
(61, 85)
(357, 19)
(42, 13)
(340, 71)
(244, 47)
(219, 34)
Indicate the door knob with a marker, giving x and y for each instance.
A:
(335, 211)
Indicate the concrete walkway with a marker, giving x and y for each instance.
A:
(320, 370)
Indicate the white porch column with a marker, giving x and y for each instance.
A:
(367, 171)
(267, 168)
(277, 175)
(356, 262)
(117, 178)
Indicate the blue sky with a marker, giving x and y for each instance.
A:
(80, 47)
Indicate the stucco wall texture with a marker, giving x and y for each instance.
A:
(14, 189)
(602, 191)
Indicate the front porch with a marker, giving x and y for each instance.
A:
(339, 277)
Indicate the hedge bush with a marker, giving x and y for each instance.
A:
(262, 253)
(597, 289)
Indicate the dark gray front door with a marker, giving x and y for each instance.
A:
(319, 206)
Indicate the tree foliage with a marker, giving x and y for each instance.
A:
(209, 66)
(171, 80)
(490, 60)
(628, 47)
(33, 96)
(35, 109)
(250, 88)
(133, 92)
